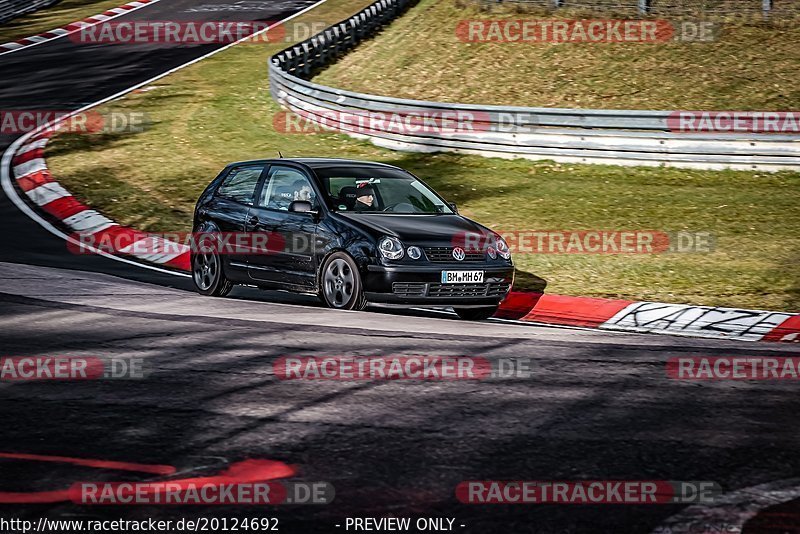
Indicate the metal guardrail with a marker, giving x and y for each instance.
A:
(725, 8)
(625, 137)
(10, 9)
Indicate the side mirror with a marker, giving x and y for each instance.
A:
(301, 206)
(453, 207)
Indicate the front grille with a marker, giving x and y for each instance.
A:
(467, 290)
(445, 255)
(417, 289)
(457, 290)
(408, 289)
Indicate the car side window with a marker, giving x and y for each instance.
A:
(284, 185)
(240, 184)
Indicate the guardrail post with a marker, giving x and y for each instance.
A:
(644, 7)
(766, 7)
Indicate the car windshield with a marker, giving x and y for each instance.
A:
(378, 190)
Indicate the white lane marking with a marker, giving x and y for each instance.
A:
(79, 24)
(450, 313)
(731, 511)
(156, 257)
(30, 167)
(8, 156)
(46, 193)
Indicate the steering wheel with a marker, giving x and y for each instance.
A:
(405, 206)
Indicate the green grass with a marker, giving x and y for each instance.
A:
(59, 15)
(220, 110)
(750, 67)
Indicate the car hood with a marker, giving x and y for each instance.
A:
(432, 230)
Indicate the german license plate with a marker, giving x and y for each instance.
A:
(462, 277)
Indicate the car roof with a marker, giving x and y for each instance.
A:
(315, 163)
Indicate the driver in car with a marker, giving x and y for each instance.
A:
(302, 190)
(365, 198)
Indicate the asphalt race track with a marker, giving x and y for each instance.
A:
(598, 405)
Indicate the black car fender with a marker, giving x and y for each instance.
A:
(353, 241)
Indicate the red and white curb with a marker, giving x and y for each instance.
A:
(652, 317)
(34, 179)
(57, 33)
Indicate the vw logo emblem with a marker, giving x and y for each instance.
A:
(458, 254)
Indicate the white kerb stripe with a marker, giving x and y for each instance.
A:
(89, 222)
(155, 249)
(36, 145)
(46, 193)
(30, 167)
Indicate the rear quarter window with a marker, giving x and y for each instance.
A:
(240, 184)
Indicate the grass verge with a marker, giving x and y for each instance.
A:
(56, 16)
(220, 110)
(748, 67)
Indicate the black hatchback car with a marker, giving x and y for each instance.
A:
(350, 232)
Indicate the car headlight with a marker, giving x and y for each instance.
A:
(502, 248)
(391, 248)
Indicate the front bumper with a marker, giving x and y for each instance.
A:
(422, 285)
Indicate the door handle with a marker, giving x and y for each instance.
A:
(252, 220)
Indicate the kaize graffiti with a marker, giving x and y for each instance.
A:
(698, 320)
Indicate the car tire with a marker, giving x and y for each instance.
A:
(476, 314)
(340, 283)
(208, 275)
